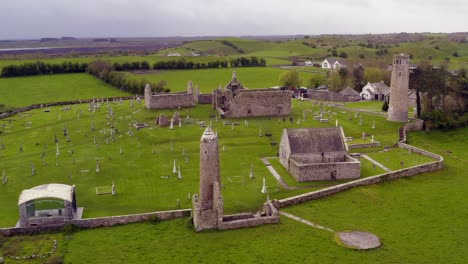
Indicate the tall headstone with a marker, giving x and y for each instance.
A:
(208, 205)
(398, 103)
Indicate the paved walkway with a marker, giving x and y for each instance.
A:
(375, 162)
(276, 175)
(293, 217)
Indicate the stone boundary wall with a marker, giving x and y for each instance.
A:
(250, 222)
(364, 145)
(414, 125)
(98, 222)
(205, 98)
(407, 172)
(36, 106)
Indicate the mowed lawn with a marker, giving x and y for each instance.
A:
(24, 91)
(209, 79)
(141, 175)
(419, 220)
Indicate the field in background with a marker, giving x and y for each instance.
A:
(24, 91)
(210, 79)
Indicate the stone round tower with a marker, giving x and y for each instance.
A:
(398, 103)
(207, 210)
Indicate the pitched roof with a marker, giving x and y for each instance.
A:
(315, 140)
(52, 190)
(348, 91)
(333, 60)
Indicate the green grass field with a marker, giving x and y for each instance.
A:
(141, 183)
(24, 91)
(210, 79)
(420, 220)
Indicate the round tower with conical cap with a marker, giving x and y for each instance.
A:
(398, 103)
(208, 204)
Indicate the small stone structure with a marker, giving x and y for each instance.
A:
(170, 100)
(398, 102)
(313, 154)
(162, 120)
(208, 207)
(29, 216)
(238, 101)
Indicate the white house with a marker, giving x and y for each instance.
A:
(374, 91)
(173, 54)
(333, 63)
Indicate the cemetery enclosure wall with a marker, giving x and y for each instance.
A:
(98, 222)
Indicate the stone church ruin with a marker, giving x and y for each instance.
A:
(237, 101)
(316, 154)
(207, 206)
(171, 100)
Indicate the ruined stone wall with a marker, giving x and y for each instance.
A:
(249, 222)
(364, 145)
(350, 169)
(407, 172)
(205, 98)
(170, 100)
(263, 102)
(98, 222)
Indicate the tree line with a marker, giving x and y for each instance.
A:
(41, 68)
(104, 70)
(183, 64)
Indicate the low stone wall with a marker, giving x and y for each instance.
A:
(414, 125)
(348, 169)
(331, 96)
(98, 222)
(407, 172)
(364, 145)
(36, 106)
(249, 222)
(205, 98)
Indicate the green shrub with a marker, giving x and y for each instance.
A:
(189, 223)
(385, 106)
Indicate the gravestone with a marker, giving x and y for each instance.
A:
(252, 175)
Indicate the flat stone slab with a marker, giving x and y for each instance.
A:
(358, 240)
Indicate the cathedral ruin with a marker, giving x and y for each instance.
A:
(237, 101)
(398, 105)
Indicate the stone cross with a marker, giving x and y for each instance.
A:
(114, 191)
(98, 167)
(58, 150)
(260, 134)
(4, 177)
(252, 175)
(373, 124)
(372, 138)
(179, 175)
(264, 188)
(172, 124)
(174, 169)
(33, 170)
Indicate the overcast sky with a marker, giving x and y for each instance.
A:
(151, 18)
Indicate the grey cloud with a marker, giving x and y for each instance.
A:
(91, 18)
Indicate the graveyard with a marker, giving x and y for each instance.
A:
(156, 168)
